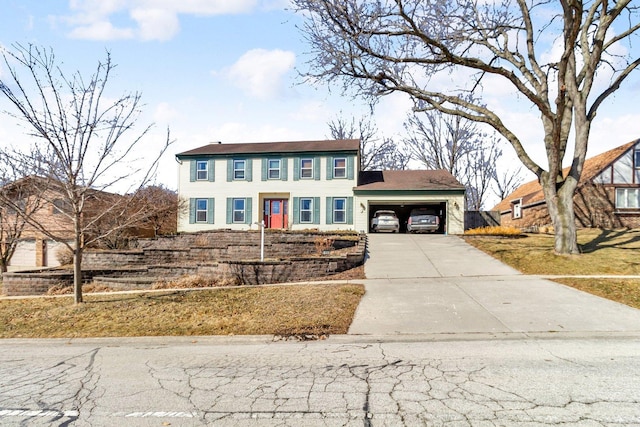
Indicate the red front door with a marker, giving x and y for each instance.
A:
(275, 213)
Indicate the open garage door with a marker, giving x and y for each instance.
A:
(403, 210)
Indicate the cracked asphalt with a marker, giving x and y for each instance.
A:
(251, 381)
(446, 337)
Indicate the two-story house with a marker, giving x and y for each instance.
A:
(303, 185)
(607, 196)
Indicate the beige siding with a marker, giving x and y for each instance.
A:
(256, 189)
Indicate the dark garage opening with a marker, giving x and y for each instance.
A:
(403, 211)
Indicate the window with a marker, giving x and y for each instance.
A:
(516, 209)
(306, 211)
(339, 210)
(201, 210)
(627, 198)
(60, 206)
(239, 169)
(340, 167)
(274, 168)
(238, 210)
(202, 170)
(636, 159)
(306, 168)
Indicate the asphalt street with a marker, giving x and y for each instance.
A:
(339, 382)
(445, 336)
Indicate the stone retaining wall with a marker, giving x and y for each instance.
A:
(289, 257)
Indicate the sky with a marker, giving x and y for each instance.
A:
(229, 70)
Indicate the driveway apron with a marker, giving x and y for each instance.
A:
(438, 284)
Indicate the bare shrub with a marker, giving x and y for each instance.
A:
(494, 231)
(201, 240)
(323, 244)
(64, 256)
(194, 281)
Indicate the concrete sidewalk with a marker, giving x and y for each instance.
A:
(435, 284)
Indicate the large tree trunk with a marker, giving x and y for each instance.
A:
(559, 200)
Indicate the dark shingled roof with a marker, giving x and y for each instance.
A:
(411, 180)
(531, 192)
(275, 147)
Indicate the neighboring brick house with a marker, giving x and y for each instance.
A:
(46, 203)
(303, 185)
(33, 248)
(607, 196)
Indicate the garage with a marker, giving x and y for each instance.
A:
(24, 254)
(403, 210)
(401, 191)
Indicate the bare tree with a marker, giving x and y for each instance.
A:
(376, 153)
(547, 54)
(162, 206)
(86, 141)
(507, 181)
(458, 145)
(12, 225)
(19, 193)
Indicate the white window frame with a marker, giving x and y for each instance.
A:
(238, 211)
(307, 170)
(622, 197)
(339, 171)
(337, 211)
(309, 210)
(200, 212)
(239, 173)
(273, 172)
(516, 207)
(636, 159)
(205, 176)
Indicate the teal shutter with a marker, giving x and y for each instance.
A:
(229, 170)
(350, 167)
(316, 210)
(212, 170)
(210, 211)
(248, 211)
(329, 219)
(296, 168)
(296, 210)
(350, 209)
(316, 169)
(284, 168)
(329, 168)
(229, 210)
(192, 170)
(265, 169)
(192, 211)
(248, 169)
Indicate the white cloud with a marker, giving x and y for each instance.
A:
(165, 113)
(156, 24)
(259, 72)
(200, 7)
(101, 30)
(152, 19)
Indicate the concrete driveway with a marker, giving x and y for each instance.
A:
(436, 284)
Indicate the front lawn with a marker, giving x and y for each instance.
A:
(306, 310)
(604, 252)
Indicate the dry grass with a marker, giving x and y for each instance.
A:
(494, 231)
(623, 291)
(604, 252)
(274, 310)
